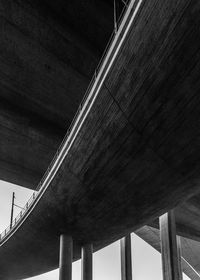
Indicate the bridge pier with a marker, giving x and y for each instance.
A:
(170, 248)
(86, 262)
(126, 262)
(66, 256)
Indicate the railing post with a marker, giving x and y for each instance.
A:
(86, 262)
(12, 209)
(66, 256)
(115, 16)
(126, 260)
(171, 259)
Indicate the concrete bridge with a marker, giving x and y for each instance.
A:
(49, 51)
(132, 152)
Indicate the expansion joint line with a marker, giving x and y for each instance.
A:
(170, 167)
(120, 108)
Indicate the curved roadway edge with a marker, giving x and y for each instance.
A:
(43, 266)
(190, 250)
(132, 153)
(82, 113)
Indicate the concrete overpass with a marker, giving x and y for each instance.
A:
(48, 53)
(132, 153)
(190, 250)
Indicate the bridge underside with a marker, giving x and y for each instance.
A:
(48, 54)
(137, 153)
(190, 250)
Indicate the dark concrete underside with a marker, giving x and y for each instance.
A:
(187, 218)
(190, 250)
(137, 154)
(48, 54)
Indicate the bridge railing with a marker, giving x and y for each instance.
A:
(92, 81)
(19, 216)
(30, 202)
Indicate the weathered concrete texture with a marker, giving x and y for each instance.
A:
(126, 258)
(170, 247)
(188, 213)
(65, 257)
(26, 147)
(137, 152)
(46, 63)
(187, 218)
(190, 250)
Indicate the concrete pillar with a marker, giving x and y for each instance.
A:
(171, 259)
(86, 262)
(66, 256)
(126, 262)
(178, 241)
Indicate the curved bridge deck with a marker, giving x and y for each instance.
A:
(133, 152)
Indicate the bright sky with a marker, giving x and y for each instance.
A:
(146, 261)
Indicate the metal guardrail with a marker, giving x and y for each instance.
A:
(30, 202)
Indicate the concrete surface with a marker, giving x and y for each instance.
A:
(48, 53)
(137, 153)
(190, 250)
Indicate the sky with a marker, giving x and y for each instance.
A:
(146, 261)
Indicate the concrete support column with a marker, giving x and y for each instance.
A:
(171, 259)
(86, 262)
(66, 256)
(179, 252)
(126, 262)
